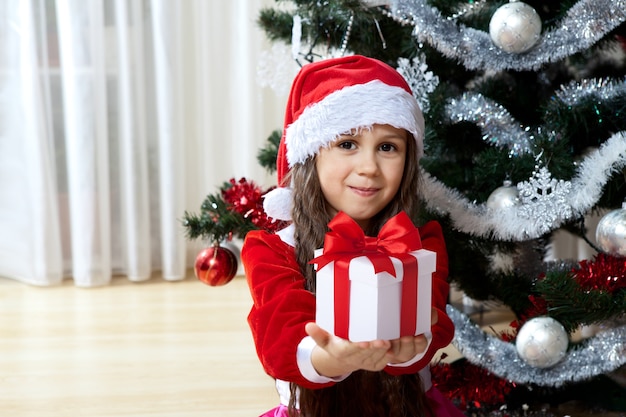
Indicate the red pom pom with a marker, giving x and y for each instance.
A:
(246, 198)
(215, 266)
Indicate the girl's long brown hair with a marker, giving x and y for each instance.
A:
(363, 394)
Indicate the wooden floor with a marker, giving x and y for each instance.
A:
(150, 349)
(154, 349)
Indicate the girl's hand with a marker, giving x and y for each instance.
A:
(335, 357)
(407, 347)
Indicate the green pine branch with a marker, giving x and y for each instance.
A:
(573, 306)
(216, 221)
(267, 155)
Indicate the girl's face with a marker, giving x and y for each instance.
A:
(360, 173)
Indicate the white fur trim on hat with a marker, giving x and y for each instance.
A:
(277, 203)
(359, 105)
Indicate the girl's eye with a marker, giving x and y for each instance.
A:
(346, 145)
(387, 147)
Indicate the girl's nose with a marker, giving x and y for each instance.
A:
(367, 163)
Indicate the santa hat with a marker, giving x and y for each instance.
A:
(331, 97)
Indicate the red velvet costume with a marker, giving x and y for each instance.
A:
(282, 305)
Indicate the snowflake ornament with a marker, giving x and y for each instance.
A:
(277, 69)
(544, 199)
(421, 81)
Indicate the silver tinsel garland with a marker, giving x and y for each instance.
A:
(514, 223)
(601, 354)
(498, 126)
(539, 214)
(598, 89)
(585, 23)
(500, 129)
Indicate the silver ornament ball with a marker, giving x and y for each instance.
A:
(542, 342)
(503, 197)
(611, 232)
(515, 27)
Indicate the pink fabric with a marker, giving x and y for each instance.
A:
(280, 411)
(441, 406)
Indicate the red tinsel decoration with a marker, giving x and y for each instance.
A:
(509, 335)
(470, 386)
(538, 307)
(246, 198)
(604, 273)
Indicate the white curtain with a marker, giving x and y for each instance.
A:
(116, 116)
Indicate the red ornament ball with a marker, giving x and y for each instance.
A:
(215, 266)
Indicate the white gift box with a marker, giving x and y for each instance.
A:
(375, 299)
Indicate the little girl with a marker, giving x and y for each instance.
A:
(352, 141)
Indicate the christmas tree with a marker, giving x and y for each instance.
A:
(525, 108)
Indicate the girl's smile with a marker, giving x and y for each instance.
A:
(365, 192)
(360, 173)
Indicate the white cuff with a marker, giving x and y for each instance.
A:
(429, 339)
(303, 357)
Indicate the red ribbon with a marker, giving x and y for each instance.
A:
(346, 240)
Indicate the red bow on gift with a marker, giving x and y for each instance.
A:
(397, 236)
(346, 240)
